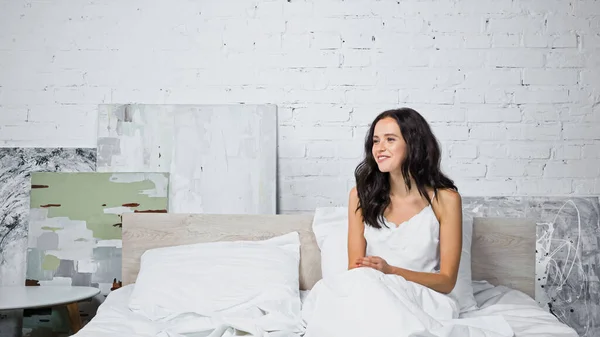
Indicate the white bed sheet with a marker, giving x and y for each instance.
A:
(527, 319)
(521, 312)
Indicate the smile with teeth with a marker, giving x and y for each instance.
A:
(382, 158)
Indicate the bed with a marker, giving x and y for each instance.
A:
(503, 266)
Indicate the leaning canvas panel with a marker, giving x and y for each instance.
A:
(16, 165)
(221, 158)
(75, 230)
(567, 252)
(135, 138)
(224, 160)
(75, 224)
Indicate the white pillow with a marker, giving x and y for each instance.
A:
(207, 278)
(463, 290)
(330, 225)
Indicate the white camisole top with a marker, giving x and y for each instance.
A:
(413, 244)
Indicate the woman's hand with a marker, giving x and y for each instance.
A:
(374, 262)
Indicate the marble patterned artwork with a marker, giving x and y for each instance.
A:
(221, 158)
(567, 252)
(75, 223)
(16, 165)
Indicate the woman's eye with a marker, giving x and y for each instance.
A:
(391, 139)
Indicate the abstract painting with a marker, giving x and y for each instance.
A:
(75, 233)
(75, 224)
(221, 158)
(16, 165)
(567, 252)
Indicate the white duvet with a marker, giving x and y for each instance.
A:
(502, 310)
(366, 302)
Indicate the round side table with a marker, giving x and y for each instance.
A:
(30, 297)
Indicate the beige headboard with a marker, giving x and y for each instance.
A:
(143, 231)
(503, 250)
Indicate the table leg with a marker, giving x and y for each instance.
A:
(74, 318)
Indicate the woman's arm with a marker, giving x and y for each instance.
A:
(449, 210)
(356, 239)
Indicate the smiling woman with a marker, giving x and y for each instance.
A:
(401, 152)
(404, 242)
(399, 184)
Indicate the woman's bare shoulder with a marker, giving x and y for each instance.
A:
(447, 201)
(448, 195)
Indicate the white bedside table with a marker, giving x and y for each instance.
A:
(30, 297)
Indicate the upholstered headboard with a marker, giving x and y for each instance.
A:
(503, 249)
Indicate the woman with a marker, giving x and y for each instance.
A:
(404, 244)
(399, 184)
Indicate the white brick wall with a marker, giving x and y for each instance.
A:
(511, 88)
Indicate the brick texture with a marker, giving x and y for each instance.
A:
(511, 88)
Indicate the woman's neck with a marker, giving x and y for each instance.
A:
(398, 186)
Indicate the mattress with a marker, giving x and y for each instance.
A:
(527, 319)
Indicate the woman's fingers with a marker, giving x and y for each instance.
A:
(370, 264)
(375, 259)
(363, 259)
(369, 261)
(374, 262)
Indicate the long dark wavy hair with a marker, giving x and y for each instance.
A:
(422, 164)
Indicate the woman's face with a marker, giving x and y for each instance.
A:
(389, 148)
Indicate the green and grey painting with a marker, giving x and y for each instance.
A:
(75, 224)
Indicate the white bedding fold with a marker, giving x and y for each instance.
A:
(522, 313)
(365, 302)
(269, 315)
